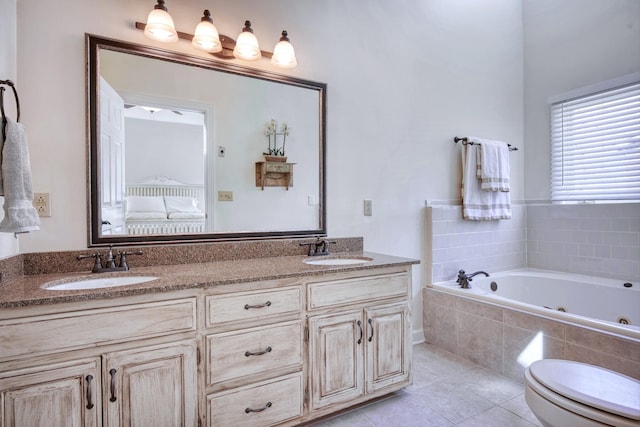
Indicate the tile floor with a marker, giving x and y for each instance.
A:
(447, 391)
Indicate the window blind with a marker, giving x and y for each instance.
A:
(595, 146)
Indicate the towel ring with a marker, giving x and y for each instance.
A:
(4, 116)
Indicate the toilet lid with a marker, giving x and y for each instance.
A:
(590, 385)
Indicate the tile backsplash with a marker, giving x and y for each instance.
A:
(474, 245)
(601, 240)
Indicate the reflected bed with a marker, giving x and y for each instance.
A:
(160, 205)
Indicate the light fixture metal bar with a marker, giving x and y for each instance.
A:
(227, 43)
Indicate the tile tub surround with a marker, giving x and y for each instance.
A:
(457, 243)
(602, 240)
(494, 337)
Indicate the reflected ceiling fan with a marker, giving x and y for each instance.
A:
(151, 109)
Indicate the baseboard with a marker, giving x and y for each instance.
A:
(418, 337)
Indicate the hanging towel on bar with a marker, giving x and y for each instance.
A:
(19, 214)
(480, 205)
(493, 167)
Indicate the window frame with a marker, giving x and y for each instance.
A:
(569, 145)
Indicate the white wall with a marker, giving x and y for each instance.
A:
(156, 148)
(569, 44)
(8, 71)
(404, 78)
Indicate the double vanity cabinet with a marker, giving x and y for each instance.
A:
(278, 351)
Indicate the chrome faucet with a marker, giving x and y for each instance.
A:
(464, 278)
(319, 247)
(110, 264)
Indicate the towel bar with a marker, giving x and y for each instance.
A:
(465, 141)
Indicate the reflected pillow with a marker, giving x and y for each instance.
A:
(186, 215)
(146, 216)
(181, 204)
(146, 204)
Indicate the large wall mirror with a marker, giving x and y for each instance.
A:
(176, 144)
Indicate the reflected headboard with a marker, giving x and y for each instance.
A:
(164, 186)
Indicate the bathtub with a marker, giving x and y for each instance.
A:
(594, 320)
(594, 302)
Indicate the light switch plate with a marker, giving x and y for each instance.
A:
(368, 208)
(225, 196)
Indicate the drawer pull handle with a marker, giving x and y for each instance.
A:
(266, 304)
(361, 333)
(259, 353)
(371, 336)
(113, 398)
(249, 410)
(89, 397)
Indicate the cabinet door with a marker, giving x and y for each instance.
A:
(152, 386)
(388, 346)
(62, 395)
(336, 356)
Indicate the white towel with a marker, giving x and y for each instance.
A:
(19, 214)
(493, 166)
(480, 205)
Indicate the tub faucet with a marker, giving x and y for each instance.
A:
(464, 278)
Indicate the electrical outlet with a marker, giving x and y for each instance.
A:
(225, 196)
(368, 208)
(42, 203)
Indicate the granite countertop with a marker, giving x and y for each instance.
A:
(26, 290)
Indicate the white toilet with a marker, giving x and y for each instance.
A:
(563, 393)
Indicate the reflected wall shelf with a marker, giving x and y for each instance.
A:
(274, 174)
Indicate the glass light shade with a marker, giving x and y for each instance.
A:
(160, 26)
(206, 35)
(247, 45)
(283, 54)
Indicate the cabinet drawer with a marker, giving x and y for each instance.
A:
(64, 331)
(253, 351)
(247, 306)
(278, 167)
(264, 404)
(355, 290)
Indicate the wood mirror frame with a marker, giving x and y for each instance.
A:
(94, 44)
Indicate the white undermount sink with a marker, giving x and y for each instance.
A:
(96, 283)
(347, 260)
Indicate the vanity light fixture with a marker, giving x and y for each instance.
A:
(283, 54)
(247, 45)
(160, 25)
(206, 35)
